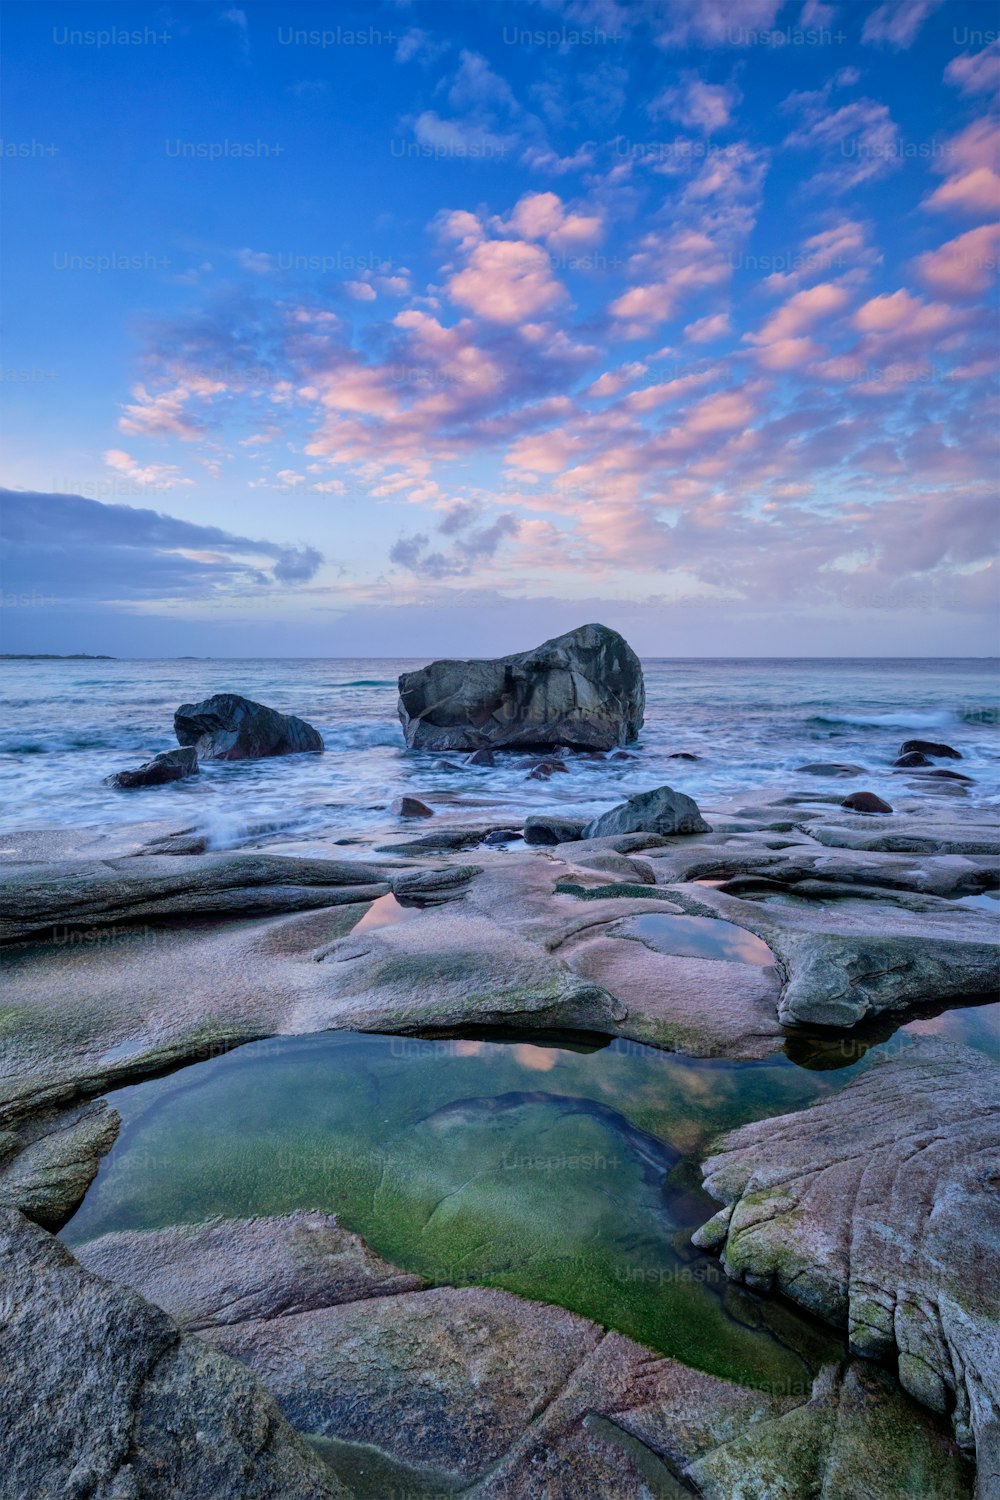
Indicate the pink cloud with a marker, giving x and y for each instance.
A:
(896, 23)
(698, 105)
(506, 281)
(976, 72)
(716, 23)
(963, 267)
(705, 330)
(163, 414)
(156, 476)
(781, 343)
(976, 192)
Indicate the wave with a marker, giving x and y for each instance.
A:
(929, 719)
(987, 714)
(368, 682)
(364, 737)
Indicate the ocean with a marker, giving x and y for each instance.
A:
(751, 722)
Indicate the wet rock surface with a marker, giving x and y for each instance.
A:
(880, 1209)
(475, 1391)
(583, 689)
(104, 1396)
(228, 727)
(170, 765)
(662, 811)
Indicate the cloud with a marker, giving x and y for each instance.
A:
(706, 330)
(896, 23)
(698, 105)
(155, 476)
(77, 548)
(855, 142)
(417, 45)
(963, 267)
(976, 72)
(715, 23)
(543, 216)
(507, 281)
(477, 546)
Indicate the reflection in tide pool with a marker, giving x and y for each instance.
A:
(561, 1170)
(698, 937)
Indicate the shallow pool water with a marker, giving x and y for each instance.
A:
(560, 1169)
(698, 937)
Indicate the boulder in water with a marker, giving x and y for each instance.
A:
(170, 765)
(662, 811)
(583, 690)
(411, 807)
(912, 758)
(830, 768)
(228, 727)
(866, 802)
(930, 747)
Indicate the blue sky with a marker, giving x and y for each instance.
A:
(424, 327)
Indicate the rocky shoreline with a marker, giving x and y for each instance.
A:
(282, 1357)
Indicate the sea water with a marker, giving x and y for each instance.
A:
(751, 723)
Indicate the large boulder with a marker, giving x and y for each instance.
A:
(170, 765)
(582, 690)
(662, 811)
(228, 727)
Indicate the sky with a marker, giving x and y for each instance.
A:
(429, 327)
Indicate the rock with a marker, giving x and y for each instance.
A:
(583, 689)
(930, 747)
(482, 757)
(475, 1391)
(169, 765)
(209, 1275)
(105, 1397)
(943, 775)
(830, 768)
(46, 1167)
(912, 758)
(866, 802)
(114, 894)
(879, 1208)
(545, 828)
(682, 755)
(543, 770)
(662, 811)
(411, 807)
(501, 836)
(622, 755)
(228, 727)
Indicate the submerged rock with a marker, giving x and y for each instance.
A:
(544, 770)
(866, 802)
(169, 765)
(105, 1397)
(662, 811)
(880, 1209)
(830, 768)
(583, 689)
(930, 747)
(228, 727)
(411, 807)
(912, 758)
